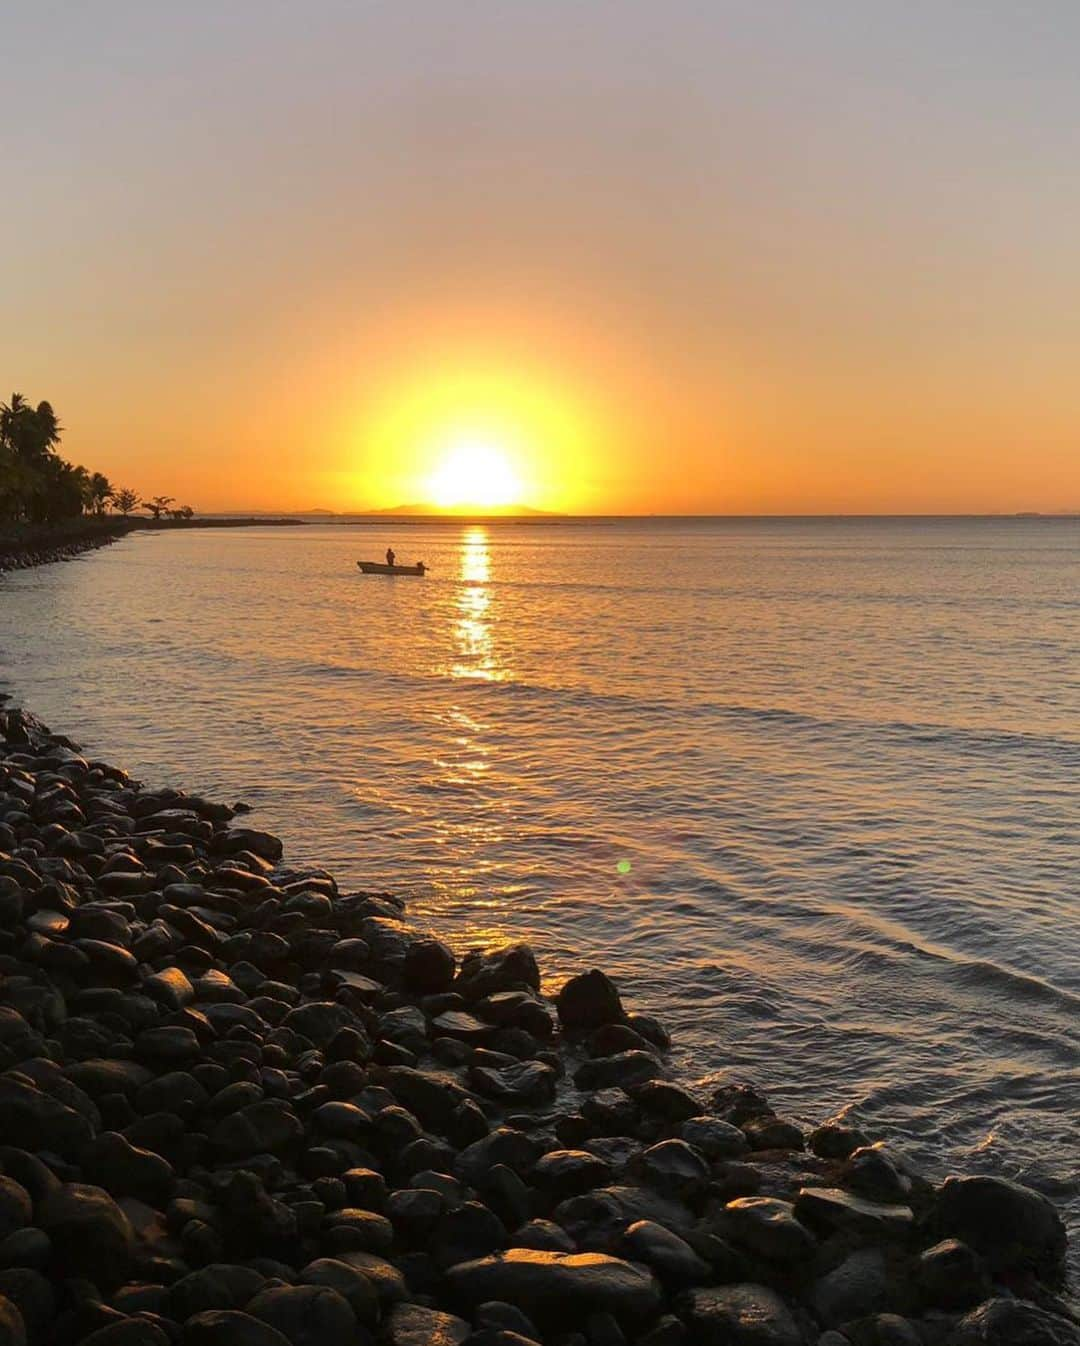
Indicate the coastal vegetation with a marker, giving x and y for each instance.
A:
(39, 487)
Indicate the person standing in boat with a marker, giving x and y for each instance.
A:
(389, 556)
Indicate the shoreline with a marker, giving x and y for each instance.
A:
(262, 1076)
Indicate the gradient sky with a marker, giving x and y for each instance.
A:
(727, 256)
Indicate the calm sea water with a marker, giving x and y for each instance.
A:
(808, 789)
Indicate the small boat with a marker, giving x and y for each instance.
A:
(381, 568)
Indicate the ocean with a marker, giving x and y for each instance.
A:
(808, 789)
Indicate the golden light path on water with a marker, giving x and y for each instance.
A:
(475, 661)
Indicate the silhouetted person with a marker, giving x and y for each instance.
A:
(389, 556)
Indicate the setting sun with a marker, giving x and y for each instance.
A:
(474, 472)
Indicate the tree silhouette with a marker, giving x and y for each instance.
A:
(157, 505)
(100, 491)
(125, 500)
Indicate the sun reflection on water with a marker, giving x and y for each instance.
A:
(475, 648)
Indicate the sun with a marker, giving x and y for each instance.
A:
(474, 472)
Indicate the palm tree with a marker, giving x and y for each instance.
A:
(157, 505)
(125, 500)
(100, 492)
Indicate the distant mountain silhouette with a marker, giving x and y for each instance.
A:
(467, 511)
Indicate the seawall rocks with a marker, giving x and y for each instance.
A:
(238, 1105)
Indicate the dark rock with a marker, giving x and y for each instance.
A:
(307, 1315)
(871, 1173)
(266, 1127)
(12, 1327)
(27, 1247)
(566, 1173)
(545, 1236)
(522, 1083)
(220, 1286)
(33, 1120)
(624, 1070)
(512, 968)
(596, 1220)
(415, 1325)
(834, 1209)
(467, 1232)
(674, 1166)
(228, 1327)
(738, 1315)
(557, 1288)
(659, 1098)
(125, 1170)
(951, 1275)
(883, 1329)
(504, 1146)
(1011, 1226)
(859, 1286)
(35, 1300)
(350, 1229)
(1013, 1322)
(90, 1234)
(349, 1282)
(714, 1138)
(128, 1332)
(772, 1133)
(589, 1001)
(428, 967)
(16, 1207)
(768, 1227)
(669, 1256)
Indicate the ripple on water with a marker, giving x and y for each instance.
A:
(809, 789)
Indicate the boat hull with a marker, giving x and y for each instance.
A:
(380, 568)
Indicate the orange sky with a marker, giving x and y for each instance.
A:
(665, 258)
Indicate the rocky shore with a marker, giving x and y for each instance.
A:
(239, 1107)
(36, 547)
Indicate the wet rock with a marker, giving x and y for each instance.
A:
(713, 1138)
(559, 1288)
(589, 1001)
(834, 1209)
(566, 1173)
(951, 1275)
(772, 1133)
(428, 967)
(1011, 1226)
(1013, 1322)
(871, 1173)
(89, 1233)
(660, 1098)
(674, 1166)
(738, 1315)
(623, 1070)
(522, 1083)
(512, 968)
